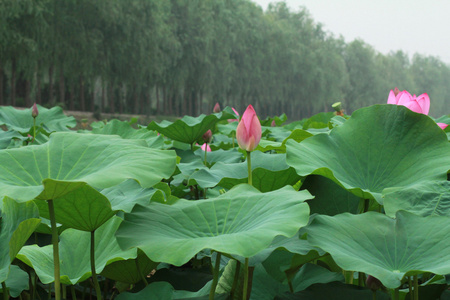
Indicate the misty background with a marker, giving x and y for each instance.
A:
(178, 57)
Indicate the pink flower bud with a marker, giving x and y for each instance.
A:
(206, 146)
(420, 104)
(273, 124)
(207, 136)
(216, 108)
(373, 283)
(237, 114)
(248, 132)
(34, 111)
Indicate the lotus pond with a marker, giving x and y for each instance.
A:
(339, 207)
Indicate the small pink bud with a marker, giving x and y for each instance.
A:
(206, 146)
(34, 111)
(216, 108)
(248, 132)
(273, 124)
(207, 136)
(373, 283)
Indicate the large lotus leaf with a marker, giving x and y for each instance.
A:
(126, 195)
(189, 129)
(269, 171)
(310, 274)
(99, 160)
(84, 208)
(329, 198)
(17, 223)
(17, 282)
(7, 136)
(297, 135)
(383, 247)
(74, 253)
(124, 130)
(319, 120)
(428, 198)
(335, 291)
(242, 221)
(21, 120)
(128, 271)
(378, 147)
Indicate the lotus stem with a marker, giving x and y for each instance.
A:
(249, 167)
(140, 272)
(244, 293)
(374, 295)
(236, 278)
(72, 290)
(397, 294)
(94, 274)
(34, 129)
(51, 210)
(206, 151)
(5, 291)
(64, 292)
(416, 287)
(212, 292)
(410, 287)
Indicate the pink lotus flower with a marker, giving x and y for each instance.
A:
(248, 132)
(216, 108)
(420, 104)
(237, 114)
(34, 111)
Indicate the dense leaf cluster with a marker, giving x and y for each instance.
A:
(180, 57)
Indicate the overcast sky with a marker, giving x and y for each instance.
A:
(414, 26)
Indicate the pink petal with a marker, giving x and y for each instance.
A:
(206, 146)
(392, 99)
(424, 102)
(414, 106)
(404, 98)
(442, 125)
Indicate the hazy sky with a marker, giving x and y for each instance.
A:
(414, 26)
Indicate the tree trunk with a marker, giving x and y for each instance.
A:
(62, 87)
(165, 101)
(93, 99)
(111, 98)
(185, 102)
(120, 100)
(38, 87)
(82, 101)
(27, 93)
(1, 83)
(135, 101)
(72, 97)
(158, 111)
(104, 104)
(13, 82)
(51, 99)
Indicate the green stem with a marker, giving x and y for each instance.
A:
(5, 291)
(416, 287)
(51, 210)
(397, 294)
(94, 274)
(212, 292)
(233, 139)
(72, 290)
(244, 293)
(206, 148)
(236, 278)
(140, 272)
(411, 295)
(374, 295)
(249, 167)
(34, 129)
(64, 292)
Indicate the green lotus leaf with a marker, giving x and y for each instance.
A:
(124, 130)
(228, 129)
(126, 195)
(17, 282)
(84, 208)
(329, 198)
(50, 119)
(310, 274)
(17, 223)
(98, 160)
(130, 270)
(74, 253)
(242, 222)
(297, 135)
(383, 247)
(225, 156)
(378, 147)
(189, 129)
(319, 120)
(269, 171)
(6, 138)
(428, 198)
(335, 291)
(156, 290)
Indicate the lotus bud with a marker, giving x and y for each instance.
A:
(248, 132)
(273, 124)
(207, 136)
(216, 108)
(34, 111)
(236, 113)
(373, 283)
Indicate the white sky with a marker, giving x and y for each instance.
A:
(414, 26)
